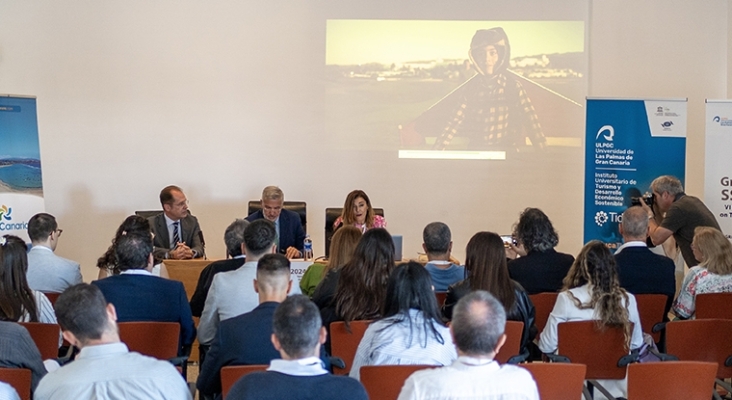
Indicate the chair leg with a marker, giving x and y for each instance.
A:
(586, 392)
(601, 389)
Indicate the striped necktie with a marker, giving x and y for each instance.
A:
(176, 235)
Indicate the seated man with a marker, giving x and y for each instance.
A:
(104, 367)
(299, 375)
(245, 340)
(290, 235)
(140, 296)
(438, 245)
(48, 272)
(177, 234)
(17, 350)
(477, 328)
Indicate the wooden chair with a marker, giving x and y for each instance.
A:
(511, 351)
(543, 304)
(384, 382)
(558, 381)
(650, 309)
(440, 296)
(19, 379)
(714, 305)
(52, 297)
(155, 339)
(343, 343)
(688, 380)
(45, 336)
(231, 373)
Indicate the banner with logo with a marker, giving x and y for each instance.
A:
(21, 186)
(718, 164)
(628, 144)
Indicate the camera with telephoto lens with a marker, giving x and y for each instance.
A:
(647, 198)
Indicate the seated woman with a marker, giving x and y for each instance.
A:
(357, 211)
(107, 263)
(341, 250)
(485, 267)
(713, 274)
(411, 331)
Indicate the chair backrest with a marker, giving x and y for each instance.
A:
(19, 379)
(599, 348)
(688, 380)
(331, 215)
(148, 213)
(701, 340)
(440, 296)
(154, 339)
(714, 305)
(231, 373)
(300, 207)
(343, 343)
(45, 336)
(512, 346)
(52, 297)
(543, 304)
(384, 382)
(650, 309)
(558, 381)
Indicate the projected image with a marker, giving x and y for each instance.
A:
(456, 89)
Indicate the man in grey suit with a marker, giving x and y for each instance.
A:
(177, 234)
(48, 272)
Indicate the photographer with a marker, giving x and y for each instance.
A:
(678, 213)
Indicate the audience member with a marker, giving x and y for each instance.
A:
(290, 234)
(104, 367)
(411, 330)
(357, 211)
(485, 265)
(713, 274)
(17, 350)
(107, 263)
(539, 268)
(233, 238)
(299, 375)
(640, 271)
(438, 245)
(140, 296)
(478, 332)
(48, 272)
(245, 339)
(177, 234)
(342, 247)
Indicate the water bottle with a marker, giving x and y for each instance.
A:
(307, 248)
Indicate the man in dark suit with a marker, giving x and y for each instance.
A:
(640, 270)
(140, 296)
(245, 340)
(177, 234)
(290, 234)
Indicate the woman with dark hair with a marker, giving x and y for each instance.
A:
(411, 331)
(535, 264)
(107, 263)
(341, 250)
(357, 211)
(485, 269)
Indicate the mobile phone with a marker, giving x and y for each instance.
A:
(508, 239)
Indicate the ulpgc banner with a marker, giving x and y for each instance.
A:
(718, 164)
(628, 144)
(21, 186)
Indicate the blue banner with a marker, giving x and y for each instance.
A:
(628, 144)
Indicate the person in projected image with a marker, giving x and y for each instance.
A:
(357, 211)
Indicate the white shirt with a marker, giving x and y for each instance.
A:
(7, 392)
(309, 366)
(385, 343)
(471, 378)
(633, 243)
(110, 371)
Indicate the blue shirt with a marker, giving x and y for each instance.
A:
(442, 278)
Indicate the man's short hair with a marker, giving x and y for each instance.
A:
(234, 237)
(635, 222)
(133, 250)
(296, 324)
(667, 183)
(437, 237)
(272, 193)
(273, 270)
(40, 226)
(82, 310)
(478, 321)
(166, 195)
(259, 236)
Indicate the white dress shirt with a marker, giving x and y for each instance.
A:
(309, 366)
(7, 392)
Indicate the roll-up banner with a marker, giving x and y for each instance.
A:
(628, 143)
(718, 164)
(21, 186)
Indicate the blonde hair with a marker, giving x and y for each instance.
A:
(342, 246)
(716, 249)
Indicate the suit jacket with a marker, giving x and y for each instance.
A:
(198, 300)
(540, 271)
(149, 298)
(640, 271)
(190, 234)
(48, 272)
(291, 232)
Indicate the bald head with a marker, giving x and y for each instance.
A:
(478, 323)
(634, 225)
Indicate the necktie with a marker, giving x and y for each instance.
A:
(176, 235)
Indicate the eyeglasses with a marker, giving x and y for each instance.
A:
(59, 232)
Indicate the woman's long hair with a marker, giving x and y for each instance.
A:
(716, 249)
(485, 268)
(16, 297)
(132, 224)
(362, 283)
(342, 246)
(347, 214)
(596, 266)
